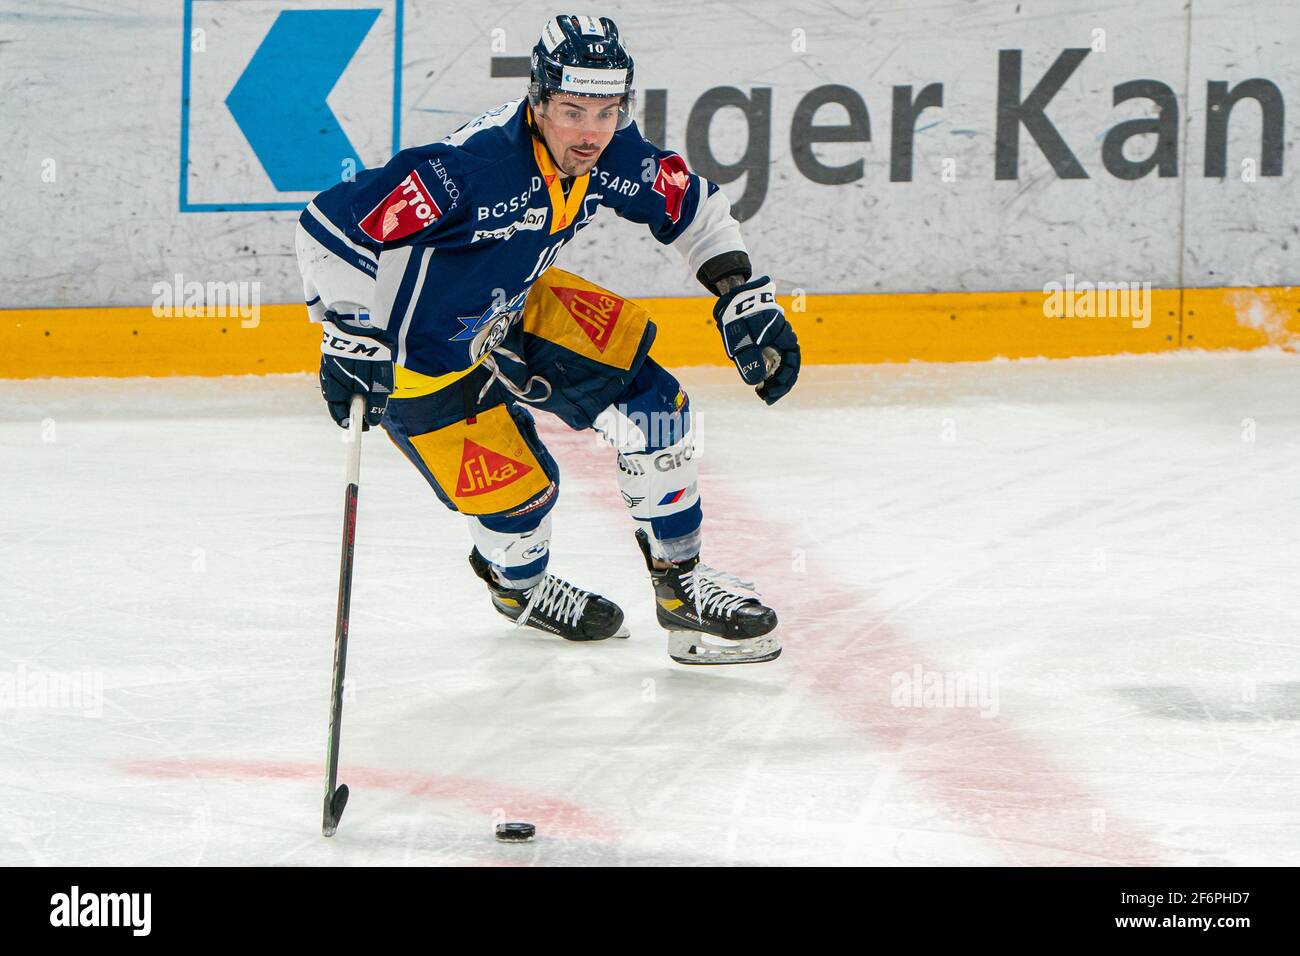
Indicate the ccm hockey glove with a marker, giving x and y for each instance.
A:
(758, 338)
(354, 362)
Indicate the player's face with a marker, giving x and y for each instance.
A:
(577, 129)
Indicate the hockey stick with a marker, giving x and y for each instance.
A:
(336, 798)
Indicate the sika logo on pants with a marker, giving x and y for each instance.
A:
(483, 470)
(584, 318)
(596, 313)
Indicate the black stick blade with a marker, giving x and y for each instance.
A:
(334, 810)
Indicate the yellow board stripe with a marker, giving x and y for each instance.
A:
(38, 343)
(833, 329)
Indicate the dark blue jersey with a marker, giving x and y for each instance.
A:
(455, 233)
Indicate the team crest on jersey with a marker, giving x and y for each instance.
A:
(483, 470)
(486, 331)
(671, 183)
(596, 313)
(403, 212)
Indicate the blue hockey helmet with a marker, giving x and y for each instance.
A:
(582, 56)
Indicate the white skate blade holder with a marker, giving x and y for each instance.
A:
(696, 647)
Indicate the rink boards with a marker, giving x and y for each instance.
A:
(833, 329)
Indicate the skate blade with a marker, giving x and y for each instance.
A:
(695, 647)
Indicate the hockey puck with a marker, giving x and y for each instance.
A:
(515, 832)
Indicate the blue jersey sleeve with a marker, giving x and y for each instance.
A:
(646, 184)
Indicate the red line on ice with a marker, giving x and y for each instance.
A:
(990, 778)
(553, 817)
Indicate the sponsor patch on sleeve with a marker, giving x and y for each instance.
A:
(403, 212)
(671, 183)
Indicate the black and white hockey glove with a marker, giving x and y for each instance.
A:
(758, 338)
(354, 362)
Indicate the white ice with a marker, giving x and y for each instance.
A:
(1105, 549)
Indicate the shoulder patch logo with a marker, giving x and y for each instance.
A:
(403, 212)
(671, 183)
(483, 470)
(596, 313)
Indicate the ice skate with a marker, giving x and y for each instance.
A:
(554, 605)
(707, 622)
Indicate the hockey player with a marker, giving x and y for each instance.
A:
(433, 278)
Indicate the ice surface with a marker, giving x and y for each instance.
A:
(1107, 548)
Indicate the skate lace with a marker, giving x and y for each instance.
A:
(708, 586)
(557, 598)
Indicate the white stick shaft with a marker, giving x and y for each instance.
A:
(358, 414)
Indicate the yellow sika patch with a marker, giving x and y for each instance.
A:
(485, 467)
(584, 318)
